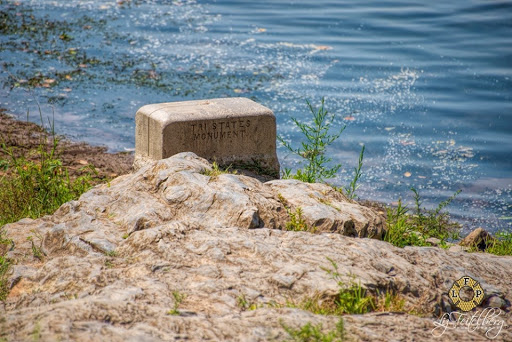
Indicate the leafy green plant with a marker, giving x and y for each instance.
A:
(178, 299)
(404, 229)
(351, 298)
(242, 302)
(297, 223)
(313, 333)
(351, 189)
(37, 252)
(313, 149)
(4, 240)
(435, 223)
(400, 232)
(36, 188)
(4, 267)
(5, 263)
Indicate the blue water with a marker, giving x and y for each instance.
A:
(426, 87)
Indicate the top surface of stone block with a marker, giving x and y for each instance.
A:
(204, 110)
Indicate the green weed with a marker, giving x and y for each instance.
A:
(435, 223)
(242, 302)
(36, 250)
(389, 302)
(352, 298)
(297, 223)
(5, 263)
(351, 189)
(501, 244)
(216, 170)
(111, 254)
(36, 332)
(178, 299)
(404, 229)
(313, 333)
(4, 286)
(5, 241)
(400, 231)
(313, 149)
(36, 188)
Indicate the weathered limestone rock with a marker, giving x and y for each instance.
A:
(234, 131)
(478, 238)
(328, 210)
(115, 257)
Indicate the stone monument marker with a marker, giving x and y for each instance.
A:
(231, 131)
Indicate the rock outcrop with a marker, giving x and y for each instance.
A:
(108, 266)
(478, 238)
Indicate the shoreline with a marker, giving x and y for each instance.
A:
(24, 137)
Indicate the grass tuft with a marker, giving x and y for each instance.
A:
(36, 188)
(4, 287)
(178, 299)
(297, 223)
(216, 170)
(351, 298)
(313, 333)
(501, 244)
(5, 263)
(404, 229)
